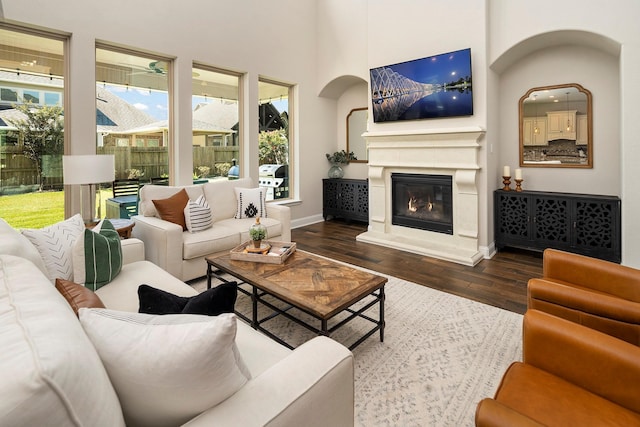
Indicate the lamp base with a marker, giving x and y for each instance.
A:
(88, 206)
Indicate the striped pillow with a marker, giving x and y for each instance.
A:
(197, 215)
(97, 256)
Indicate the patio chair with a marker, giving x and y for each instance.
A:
(126, 194)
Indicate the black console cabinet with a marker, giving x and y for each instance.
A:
(580, 223)
(345, 198)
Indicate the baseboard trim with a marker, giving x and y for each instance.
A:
(302, 222)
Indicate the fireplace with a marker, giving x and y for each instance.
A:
(422, 201)
(398, 221)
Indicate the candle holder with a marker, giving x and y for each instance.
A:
(506, 180)
(519, 185)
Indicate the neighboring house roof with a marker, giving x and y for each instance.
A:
(7, 115)
(221, 114)
(197, 127)
(114, 115)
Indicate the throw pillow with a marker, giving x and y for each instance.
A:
(251, 203)
(78, 296)
(166, 369)
(54, 243)
(212, 302)
(97, 256)
(197, 215)
(172, 209)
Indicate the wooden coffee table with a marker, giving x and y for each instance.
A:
(317, 286)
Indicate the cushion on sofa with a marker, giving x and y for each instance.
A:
(150, 192)
(251, 202)
(221, 196)
(54, 243)
(97, 256)
(215, 239)
(172, 208)
(176, 365)
(197, 215)
(77, 295)
(122, 293)
(212, 302)
(51, 373)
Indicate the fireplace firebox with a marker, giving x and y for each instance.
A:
(422, 201)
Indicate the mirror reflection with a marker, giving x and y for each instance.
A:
(556, 127)
(356, 126)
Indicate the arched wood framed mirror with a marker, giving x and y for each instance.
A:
(556, 127)
(356, 126)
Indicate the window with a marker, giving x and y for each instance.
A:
(31, 96)
(31, 182)
(51, 98)
(132, 103)
(274, 140)
(10, 95)
(216, 130)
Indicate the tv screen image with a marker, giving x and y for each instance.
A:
(432, 87)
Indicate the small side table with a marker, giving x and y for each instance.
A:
(122, 225)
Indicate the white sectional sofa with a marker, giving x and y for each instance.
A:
(53, 375)
(182, 253)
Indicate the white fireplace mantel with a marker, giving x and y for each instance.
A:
(451, 152)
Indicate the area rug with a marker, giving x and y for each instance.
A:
(441, 355)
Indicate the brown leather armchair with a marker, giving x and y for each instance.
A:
(599, 294)
(571, 375)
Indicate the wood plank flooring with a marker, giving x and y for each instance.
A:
(500, 281)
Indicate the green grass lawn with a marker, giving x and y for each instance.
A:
(37, 210)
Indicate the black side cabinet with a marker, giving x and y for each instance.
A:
(345, 198)
(580, 223)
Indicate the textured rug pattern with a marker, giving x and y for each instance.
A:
(441, 355)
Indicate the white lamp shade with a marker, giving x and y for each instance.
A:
(88, 169)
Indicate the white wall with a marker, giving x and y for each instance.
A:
(276, 39)
(342, 42)
(505, 35)
(403, 30)
(517, 30)
(326, 46)
(596, 71)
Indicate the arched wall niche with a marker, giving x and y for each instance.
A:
(336, 87)
(550, 39)
(561, 57)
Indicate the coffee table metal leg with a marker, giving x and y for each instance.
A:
(323, 328)
(382, 314)
(254, 302)
(209, 273)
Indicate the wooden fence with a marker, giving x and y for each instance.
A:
(19, 174)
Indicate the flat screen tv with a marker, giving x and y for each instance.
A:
(428, 88)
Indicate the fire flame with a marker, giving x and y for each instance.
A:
(413, 206)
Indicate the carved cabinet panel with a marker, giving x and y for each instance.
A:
(579, 223)
(345, 198)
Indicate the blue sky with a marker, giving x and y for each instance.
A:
(154, 103)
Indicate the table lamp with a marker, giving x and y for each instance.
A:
(88, 170)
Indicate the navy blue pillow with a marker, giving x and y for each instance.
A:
(212, 302)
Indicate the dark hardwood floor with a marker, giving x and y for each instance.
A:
(500, 281)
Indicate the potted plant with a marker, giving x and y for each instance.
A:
(257, 233)
(338, 159)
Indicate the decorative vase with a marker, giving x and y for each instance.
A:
(336, 171)
(257, 232)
